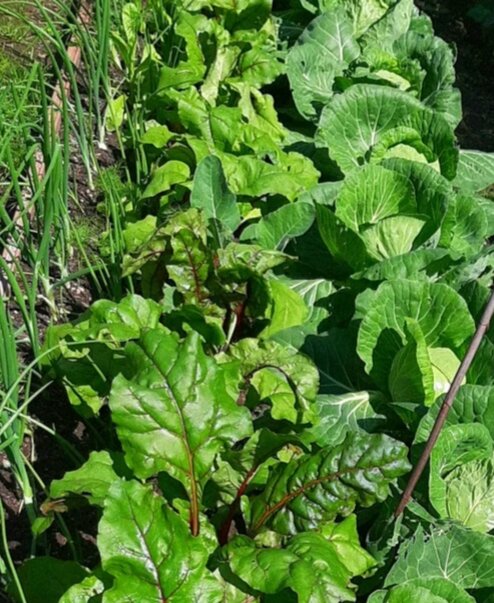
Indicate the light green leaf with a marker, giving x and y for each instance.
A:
(460, 481)
(157, 135)
(372, 194)
(310, 565)
(426, 590)
(322, 52)
(164, 177)
(274, 230)
(440, 312)
(464, 227)
(447, 551)
(87, 591)
(287, 309)
(364, 122)
(472, 404)
(280, 374)
(339, 415)
(475, 171)
(93, 479)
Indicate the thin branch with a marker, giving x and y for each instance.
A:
(446, 405)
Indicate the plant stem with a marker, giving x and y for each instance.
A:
(447, 403)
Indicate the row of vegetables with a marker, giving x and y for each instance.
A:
(309, 252)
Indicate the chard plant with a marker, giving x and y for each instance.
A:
(307, 277)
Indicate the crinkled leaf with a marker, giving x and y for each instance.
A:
(280, 374)
(460, 475)
(327, 484)
(164, 177)
(310, 565)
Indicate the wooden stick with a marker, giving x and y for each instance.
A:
(12, 252)
(446, 405)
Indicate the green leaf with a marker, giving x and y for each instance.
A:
(322, 53)
(475, 171)
(164, 177)
(464, 228)
(170, 384)
(279, 374)
(472, 404)
(157, 135)
(460, 482)
(287, 309)
(447, 551)
(372, 194)
(427, 590)
(341, 370)
(274, 230)
(149, 551)
(37, 588)
(290, 175)
(440, 312)
(329, 483)
(365, 122)
(93, 479)
(310, 565)
(210, 194)
(352, 412)
(87, 591)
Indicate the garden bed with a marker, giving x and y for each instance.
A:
(210, 255)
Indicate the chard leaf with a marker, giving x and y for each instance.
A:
(440, 312)
(311, 565)
(322, 52)
(447, 551)
(329, 483)
(427, 590)
(164, 177)
(289, 175)
(170, 383)
(211, 195)
(33, 574)
(149, 551)
(391, 116)
(93, 478)
(87, 369)
(279, 374)
(87, 591)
